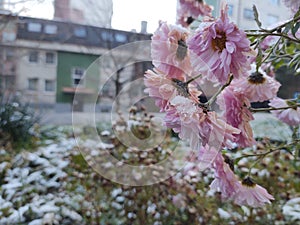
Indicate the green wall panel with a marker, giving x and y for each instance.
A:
(67, 61)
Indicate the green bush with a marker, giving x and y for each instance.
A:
(18, 124)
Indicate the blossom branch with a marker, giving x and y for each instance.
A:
(279, 27)
(194, 78)
(272, 108)
(283, 147)
(214, 97)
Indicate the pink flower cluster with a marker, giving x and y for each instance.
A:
(241, 193)
(221, 54)
(189, 10)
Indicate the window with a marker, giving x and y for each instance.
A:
(248, 14)
(50, 58)
(49, 85)
(230, 10)
(7, 82)
(271, 19)
(33, 56)
(9, 54)
(107, 36)
(32, 84)
(77, 75)
(121, 37)
(80, 32)
(275, 2)
(34, 27)
(50, 29)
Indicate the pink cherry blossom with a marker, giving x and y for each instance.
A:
(169, 50)
(185, 120)
(258, 87)
(220, 48)
(234, 105)
(216, 132)
(225, 180)
(289, 116)
(242, 193)
(252, 194)
(159, 87)
(188, 10)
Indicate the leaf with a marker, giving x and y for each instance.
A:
(296, 15)
(259, 58)
(295, 28)
(256, 16)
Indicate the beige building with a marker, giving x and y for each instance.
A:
(270, 12)
(38, 69)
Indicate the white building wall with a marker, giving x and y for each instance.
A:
(41, 71)
(270, 11)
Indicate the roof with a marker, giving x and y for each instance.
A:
(71, 33)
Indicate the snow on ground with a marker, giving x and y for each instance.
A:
(32, 187)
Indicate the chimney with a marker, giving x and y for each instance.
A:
(144, 27)
(62, 9)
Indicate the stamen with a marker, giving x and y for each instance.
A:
(219, 43)
(248, 182)
(256, 78)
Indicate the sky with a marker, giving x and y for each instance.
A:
(127, 14)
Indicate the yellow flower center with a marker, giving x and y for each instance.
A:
(248, 182)
(219, 43)
(256, 78)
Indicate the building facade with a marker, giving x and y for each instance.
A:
(241, 13)
(49, 61)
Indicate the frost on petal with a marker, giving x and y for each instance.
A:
(159, 87)
(169, 50)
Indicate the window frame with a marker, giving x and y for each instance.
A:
(50, 29)
(77, 32)
(53, 89)
(79, 77)
(34, 27)
(53, 62)
(35, 85)
(30, 55)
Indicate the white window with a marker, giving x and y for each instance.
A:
(50, 29)
(230, 10)
(34, 27)
(50, 58)
(121, 37)
(80, 32)
(49, 85)
(32, 84)
(77, 76)
(9, 54)
(107, 36)
(33, 56)
(248, 14)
